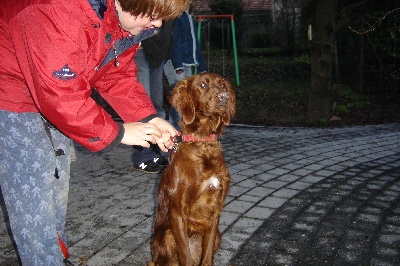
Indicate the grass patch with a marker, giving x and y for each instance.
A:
(283, 102)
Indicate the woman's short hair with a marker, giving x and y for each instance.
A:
(156, 9)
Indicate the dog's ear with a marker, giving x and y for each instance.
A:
(181, 99)
(230, 112)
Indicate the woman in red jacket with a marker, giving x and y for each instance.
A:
(53, 53)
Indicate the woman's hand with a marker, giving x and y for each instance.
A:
(157, 131)
(142, 134)
(165, 143)
(167, 130)
(164, 126)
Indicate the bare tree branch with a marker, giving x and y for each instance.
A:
(364, 23)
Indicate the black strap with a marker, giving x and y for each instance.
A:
(96, 96)
(57, 152)
(68, 263)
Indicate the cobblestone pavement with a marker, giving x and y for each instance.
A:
(299, 196)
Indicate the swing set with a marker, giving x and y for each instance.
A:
(200, 18)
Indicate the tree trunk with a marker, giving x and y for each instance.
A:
(323, 36)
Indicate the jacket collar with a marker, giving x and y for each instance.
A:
(99, 6)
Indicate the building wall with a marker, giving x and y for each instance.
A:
(264, 23)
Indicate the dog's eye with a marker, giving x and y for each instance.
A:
(223, 85)
(203, 85)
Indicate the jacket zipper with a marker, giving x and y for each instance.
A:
(116, 63)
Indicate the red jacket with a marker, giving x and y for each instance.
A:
(53, 52)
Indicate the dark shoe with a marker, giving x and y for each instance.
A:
(151, 167)
(161, 161)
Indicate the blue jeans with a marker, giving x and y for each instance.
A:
(35, 199)
(151, 79)
(174, 78)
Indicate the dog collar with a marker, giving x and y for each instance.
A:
(190, 138)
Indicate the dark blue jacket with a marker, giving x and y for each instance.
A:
(186, 50)
(158, 48)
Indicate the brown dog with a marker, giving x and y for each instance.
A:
(194, 185)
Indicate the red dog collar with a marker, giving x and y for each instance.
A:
(191, 138)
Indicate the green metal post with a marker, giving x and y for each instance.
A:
(198, 39)
(233, 37)
(235, 51)
(199, 31)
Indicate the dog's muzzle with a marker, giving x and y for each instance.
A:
(223, 98)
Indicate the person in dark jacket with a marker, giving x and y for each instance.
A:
(185, 56)
(53, 52)
(150, 60)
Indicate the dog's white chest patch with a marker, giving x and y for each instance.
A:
(213, 182)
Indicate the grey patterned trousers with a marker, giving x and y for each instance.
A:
(36, 200)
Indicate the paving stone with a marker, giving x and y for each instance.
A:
(298, 196)
(259, 213)
(272, 202)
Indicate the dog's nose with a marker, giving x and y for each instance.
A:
(223, 96)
